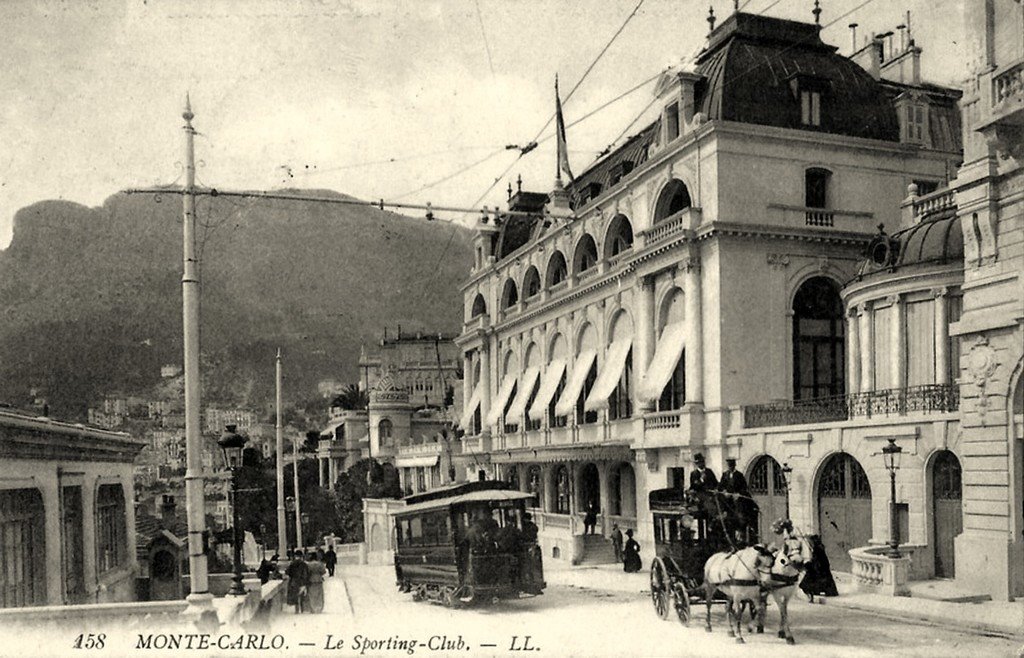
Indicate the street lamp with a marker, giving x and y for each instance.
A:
(232, 443)
(787, 472)
(305, 523)
(289, 505)
(891, 452)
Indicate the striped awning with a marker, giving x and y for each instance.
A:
(551, 454)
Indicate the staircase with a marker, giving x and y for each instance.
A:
(597, 550)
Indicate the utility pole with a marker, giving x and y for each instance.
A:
(298, 505)
(282, 520)
(199, 598)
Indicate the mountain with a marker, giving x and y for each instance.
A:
(90, 298)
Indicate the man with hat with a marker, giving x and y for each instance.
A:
(701, 477)
(741, 514)
(732, 480)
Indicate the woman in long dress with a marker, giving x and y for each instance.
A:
(631, 554)
(316, 583)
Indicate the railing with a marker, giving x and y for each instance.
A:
(670, 226)
(588, 273)
(873, 571)
(819, 217)
(432, 448)
(934, 202)
(663, 420)
(1008, 84)
(929, 398)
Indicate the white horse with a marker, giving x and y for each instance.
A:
(781, 582)
(738, 575)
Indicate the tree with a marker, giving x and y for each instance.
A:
(351, 399)
(367, 478)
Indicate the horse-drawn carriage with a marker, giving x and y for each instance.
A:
(690, 527)
(706, 552)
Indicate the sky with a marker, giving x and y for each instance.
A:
(378, 99)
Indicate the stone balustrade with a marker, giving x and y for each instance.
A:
(877, 573)
(936, 201)
(671, 226)
(1008, 86)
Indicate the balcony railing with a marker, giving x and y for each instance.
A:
(802, 216)
(1008, 85)
(663, 419)
(934, 202)
(930, 398)
(687, 218)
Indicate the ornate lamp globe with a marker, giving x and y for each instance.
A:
(232, 443)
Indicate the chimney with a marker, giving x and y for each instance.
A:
(167, 507)
(870, 56)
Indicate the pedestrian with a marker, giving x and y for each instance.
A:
(617, 542)
(529, 535)
(330, 561)
(315, 590)
(818, 579)
(298, 581)
(631, 552)
(263, 573)
(590, 519)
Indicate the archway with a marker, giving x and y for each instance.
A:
(767, 484)
(623, 490)
(479, 307)
(619, 237)
(844, 508)
(377, 538)
(531, 283)
(557, 272)
(818, 337)
(562, 490)
(509, 295)
(535, 484)
(673, 198)
(589, 488)
(585, 256)
(947, 510)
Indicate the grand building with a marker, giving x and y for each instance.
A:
(703, 289)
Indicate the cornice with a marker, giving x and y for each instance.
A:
(733, 229)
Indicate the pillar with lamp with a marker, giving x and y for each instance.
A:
(891, 453)
(233, 443)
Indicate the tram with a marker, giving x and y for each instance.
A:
(467, 543)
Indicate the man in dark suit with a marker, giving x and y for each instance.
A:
(732, 480)
(701, 477)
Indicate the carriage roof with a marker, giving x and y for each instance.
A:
(683, 501)
(468, 492)
(668, 500)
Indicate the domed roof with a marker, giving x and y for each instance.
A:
(755, 67)
(935, 240)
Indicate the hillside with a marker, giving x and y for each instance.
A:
(91, 297)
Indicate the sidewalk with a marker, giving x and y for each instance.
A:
(993, 617)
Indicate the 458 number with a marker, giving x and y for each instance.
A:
(90, 641)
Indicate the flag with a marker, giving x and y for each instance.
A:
(563, 151)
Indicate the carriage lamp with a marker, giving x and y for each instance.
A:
(891, 453)
(232, 443)
(787, 472)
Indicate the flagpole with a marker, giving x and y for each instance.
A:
(282, 518)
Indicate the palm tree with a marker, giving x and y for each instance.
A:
(351, 399)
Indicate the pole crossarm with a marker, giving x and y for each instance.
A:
(380, 204)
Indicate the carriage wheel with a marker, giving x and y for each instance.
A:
(681, 602)
(659, 588)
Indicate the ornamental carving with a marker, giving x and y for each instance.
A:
(778, 261)
(691, 264)
(981, 365)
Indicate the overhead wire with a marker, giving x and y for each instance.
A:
(487, 45)
(451, 175)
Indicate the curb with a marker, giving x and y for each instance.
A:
(1010, 632)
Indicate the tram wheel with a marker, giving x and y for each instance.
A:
(659, 588)
(681, 602)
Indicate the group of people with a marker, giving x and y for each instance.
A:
(484, 535)
(305, 577)
(627, 553)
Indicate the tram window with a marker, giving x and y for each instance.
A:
(415, 531)
(399, 534)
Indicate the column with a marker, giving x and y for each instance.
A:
(604, 473)
(550, 487)
(897, 344)
(852, 351)
(320, 464)
(332, 464)
(49, 487)
(645, 338)
(942, 336)
(694, 334)
(467, 375)
(90, 581)
(867, 370)
(485, 381)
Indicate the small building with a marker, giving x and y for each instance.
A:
(66, 513)
(161, 549)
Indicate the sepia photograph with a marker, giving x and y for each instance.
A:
(515, 328)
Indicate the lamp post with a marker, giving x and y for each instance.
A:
(787, 472)
(232, 443)
(304, 516)
(289, 504)
(891, 452)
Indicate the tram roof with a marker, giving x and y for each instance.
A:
(671, 499)
(484, 495)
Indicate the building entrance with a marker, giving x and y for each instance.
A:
(844, 509)
(947, 511)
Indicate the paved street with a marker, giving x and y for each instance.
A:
(586, 621)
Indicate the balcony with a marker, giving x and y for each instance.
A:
(930, 398)
(476, 444)
(1008, 90)
(589, 433)
(421, 449)
(803, 217)
(672, 226)
(932, 203)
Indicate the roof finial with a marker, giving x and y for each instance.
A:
(817, 12)
(187, 114)
(510, 190)
(519, 182)
(711, 18)
(735, 6)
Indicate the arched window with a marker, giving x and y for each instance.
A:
(585, 256)
(562, 490)
(531, 283)
(673, 198)
(535, 483)
(816, 184)
(509, 295)
(384, 432)
(557, 270)
(670, 320)
(479, 307)
(619, 237)
(818, 350)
